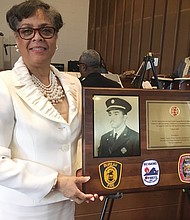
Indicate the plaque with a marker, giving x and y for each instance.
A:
(168, 124)
(132, 139)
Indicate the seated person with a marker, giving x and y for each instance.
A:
(103, 67)
(90, 69)
(183, 69)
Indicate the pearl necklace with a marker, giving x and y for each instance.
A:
(53, 92)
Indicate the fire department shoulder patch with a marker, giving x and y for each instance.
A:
(184, 168)
(110, 174)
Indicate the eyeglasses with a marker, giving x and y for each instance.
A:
(28, 33)
(95, 65)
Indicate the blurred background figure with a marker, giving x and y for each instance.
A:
(90, 65)
(103, 68)
(183, 69)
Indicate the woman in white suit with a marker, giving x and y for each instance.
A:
(40, 123)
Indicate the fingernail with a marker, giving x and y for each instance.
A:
(87, 178)
(101, 198)
(96, 195)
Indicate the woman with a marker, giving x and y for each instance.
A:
(40, 123)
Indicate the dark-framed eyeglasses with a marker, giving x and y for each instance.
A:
(27, 33)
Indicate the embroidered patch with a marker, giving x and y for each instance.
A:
(184, 168)
(150, 172)
(110, 174)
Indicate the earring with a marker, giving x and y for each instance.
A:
(17, 50)
(57, 47)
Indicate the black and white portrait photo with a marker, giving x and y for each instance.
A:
(116, 126)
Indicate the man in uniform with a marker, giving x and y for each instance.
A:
(122, 141)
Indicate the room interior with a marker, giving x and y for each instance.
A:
(124, 32)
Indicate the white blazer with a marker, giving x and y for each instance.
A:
(35, 141)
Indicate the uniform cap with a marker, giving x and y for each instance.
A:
(117, 103)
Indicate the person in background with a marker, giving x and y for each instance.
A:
(103, 68)
(40, 123)
(90, 69)
(121, 141)
(183, 69)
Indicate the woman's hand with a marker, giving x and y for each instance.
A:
(69, 186)
(95, 196)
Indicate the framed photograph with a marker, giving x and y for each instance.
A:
(116, 126)
(124, 147)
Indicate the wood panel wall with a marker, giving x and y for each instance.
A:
(124, 31)
(156, 205)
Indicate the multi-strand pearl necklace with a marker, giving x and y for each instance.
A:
(53, 92)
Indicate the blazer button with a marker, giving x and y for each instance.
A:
(65, 147)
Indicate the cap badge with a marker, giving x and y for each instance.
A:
(112, 101)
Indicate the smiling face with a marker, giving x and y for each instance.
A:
(38, 51)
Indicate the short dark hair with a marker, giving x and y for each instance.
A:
(27, 8)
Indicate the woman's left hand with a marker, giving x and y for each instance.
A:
(95, 196)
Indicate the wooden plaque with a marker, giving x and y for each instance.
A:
(162, 121)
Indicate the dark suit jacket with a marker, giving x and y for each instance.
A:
(127, 144)
(97, 80)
